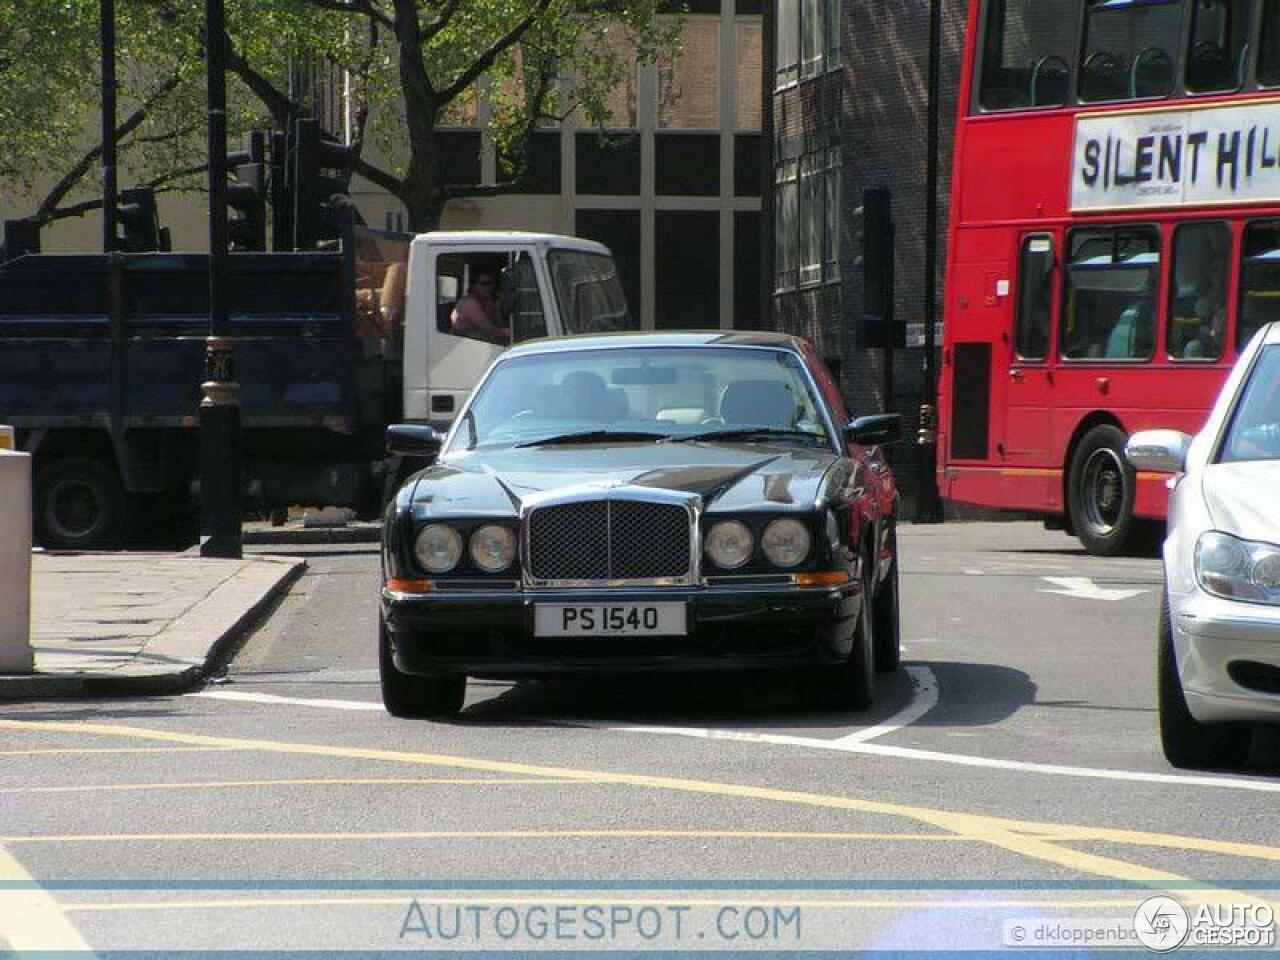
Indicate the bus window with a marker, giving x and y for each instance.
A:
(1112, 280)
(1269, 54)
(1259, 279)
(1198, 291)
(1026, 54)
(1130, 48)
(1216, 56)
(1035, 298)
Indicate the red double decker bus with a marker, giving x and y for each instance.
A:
(1114, 241)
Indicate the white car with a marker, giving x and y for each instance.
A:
(1219, 652)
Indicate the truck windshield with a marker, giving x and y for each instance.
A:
(588, 292)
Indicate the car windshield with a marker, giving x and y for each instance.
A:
(644, 395)
(1254, 433)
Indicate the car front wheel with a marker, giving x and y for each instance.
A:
(406, 695)
(1186, 741)
(851, 684)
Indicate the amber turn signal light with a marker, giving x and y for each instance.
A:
(410, 586)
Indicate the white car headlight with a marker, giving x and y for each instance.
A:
(786, 542)
(1227, 566)
(729, 544)
(438, 547)
(493, 547)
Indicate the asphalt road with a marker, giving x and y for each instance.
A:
(1010, 770)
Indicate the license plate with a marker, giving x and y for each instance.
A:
(609, 619)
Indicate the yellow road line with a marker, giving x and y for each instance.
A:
(482, 835)
(500, 897)
(61, 751)
(30, 918)
(297, 782)
(1000, 833)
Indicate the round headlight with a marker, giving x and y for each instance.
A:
(729, 544)
(786, 542)
(493, 547)
(438, 547)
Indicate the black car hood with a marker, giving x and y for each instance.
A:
(728, 477)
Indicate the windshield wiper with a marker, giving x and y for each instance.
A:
(747, 433)
(596, 436)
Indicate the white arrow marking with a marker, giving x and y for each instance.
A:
(1086, 589)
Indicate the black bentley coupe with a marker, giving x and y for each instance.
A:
(643, 502)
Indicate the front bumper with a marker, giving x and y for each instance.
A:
(491, 633)
(1228, 654)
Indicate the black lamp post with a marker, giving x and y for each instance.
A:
(928, 503)
(107, 36)
(220, 406)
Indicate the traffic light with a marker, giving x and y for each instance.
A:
(20, 238)
(246, 195)
(321, 170)
(138, 222)
(874, 229)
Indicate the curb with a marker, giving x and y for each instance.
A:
(288, 535)
(58, 686)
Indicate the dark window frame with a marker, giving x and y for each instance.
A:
(1242, 66)
(1023, 250)
(1176, 90)
(1115, 230)
(1171, 282)
(982, 51)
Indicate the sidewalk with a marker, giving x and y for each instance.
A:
(114, 623)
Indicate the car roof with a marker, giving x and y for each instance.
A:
(661, 338)
(488, 238)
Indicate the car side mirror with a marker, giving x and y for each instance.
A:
(874, 430)
(1160, 451)
(414, 440)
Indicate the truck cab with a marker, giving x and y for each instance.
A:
(548, 286)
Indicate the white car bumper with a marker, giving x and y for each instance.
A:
(1228, 656)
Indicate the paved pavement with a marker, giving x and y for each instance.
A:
(1011, 770)
(140, 622)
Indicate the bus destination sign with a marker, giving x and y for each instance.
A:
(1174, 158)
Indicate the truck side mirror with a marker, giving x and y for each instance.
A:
(413, 440)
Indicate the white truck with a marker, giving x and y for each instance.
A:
(101, 360)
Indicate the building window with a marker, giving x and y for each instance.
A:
(812, 217)
(834, 8)
(832, 193)
(813, 37)
(688, 87)
(747, 91)
(787, 224)
(787, 55)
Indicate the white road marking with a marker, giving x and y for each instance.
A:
(245, 696)
(1086, 589)
(857, 742)
(975, 572)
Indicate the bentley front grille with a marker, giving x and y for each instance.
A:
(609, 540)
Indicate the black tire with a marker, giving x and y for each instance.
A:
(850, 685)
(1185, 740)
(405, 695)
(1100, 491)
(79, 505)
(886, 622)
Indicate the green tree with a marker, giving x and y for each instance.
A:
(411, 66)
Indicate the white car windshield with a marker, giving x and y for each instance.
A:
(1254, 433)
(647, 394)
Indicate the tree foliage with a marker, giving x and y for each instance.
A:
(411, 65)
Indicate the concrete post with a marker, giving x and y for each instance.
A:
(15, 563)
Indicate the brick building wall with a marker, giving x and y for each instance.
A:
(875, 108)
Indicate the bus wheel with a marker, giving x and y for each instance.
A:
(1100, 489)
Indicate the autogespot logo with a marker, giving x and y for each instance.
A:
(1162, 923)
